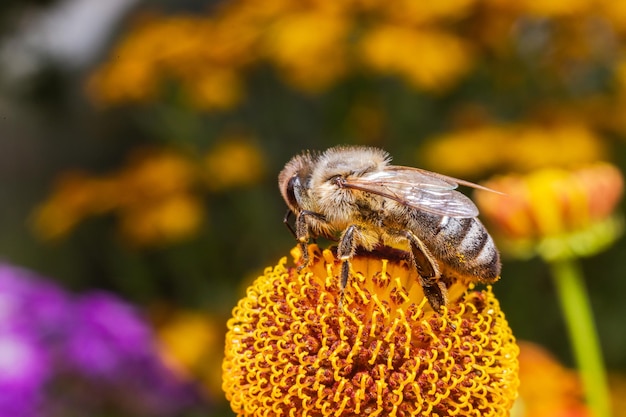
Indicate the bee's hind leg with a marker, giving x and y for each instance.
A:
(436, 294)
(435, 291)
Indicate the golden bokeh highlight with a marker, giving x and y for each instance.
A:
(512, 148)
(309, 49)
(311, 45)
(392, 50)
(294, 347)
(235, 161)
(155, 196)
(191, 344)
(76, 196)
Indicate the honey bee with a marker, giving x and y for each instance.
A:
(354, 194)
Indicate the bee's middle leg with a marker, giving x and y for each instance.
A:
(428, 270)
(346, 249)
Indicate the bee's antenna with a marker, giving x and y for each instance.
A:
(286, 221)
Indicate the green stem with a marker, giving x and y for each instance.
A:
(568, 278)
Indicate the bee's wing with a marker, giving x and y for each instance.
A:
(423, 190)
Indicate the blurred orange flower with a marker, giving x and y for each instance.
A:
(76, 196)
(152, 195)
(314, 44)
(217, 89)
(547, 389)
(429, 59)
(192, 344)
(614, 12)
(309, 48)
(153, 174)
(159, 49)
(164, 221)
(555, 212)
(234, 161)
(548, 8)
(426, 12)
(155, 196)
(512, 148)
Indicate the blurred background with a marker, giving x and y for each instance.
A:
(140, 144)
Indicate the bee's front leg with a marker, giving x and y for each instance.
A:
(427, 267)
(303, 232)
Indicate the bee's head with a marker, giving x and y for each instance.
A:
(293, 181)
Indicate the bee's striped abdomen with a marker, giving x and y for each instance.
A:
(464, 245)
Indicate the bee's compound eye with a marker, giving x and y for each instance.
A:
(294, 182)
(337, 180)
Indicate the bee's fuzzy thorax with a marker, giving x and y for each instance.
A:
(339, 204)
(349, 160)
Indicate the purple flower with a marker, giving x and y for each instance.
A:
(28, 303)
(30, 311)
(108, 335)
(24, 369)
(61, 352)
(111, 343)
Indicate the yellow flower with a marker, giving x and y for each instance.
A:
(614, 12)
(152, 173)
(215, 89)
(557, 212)
(75, 197)
(192, 344)
(157, 202)
(545, 8)
(471, 152)
(153, 197)
(162, 221)
(134, 73)
(426, 12)
(429, 59)
(309, 48)
(202, 55)
(466, 153)
(233, 162)
(556, 8)
(294, 347)
(547, 389)
(126, 81)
